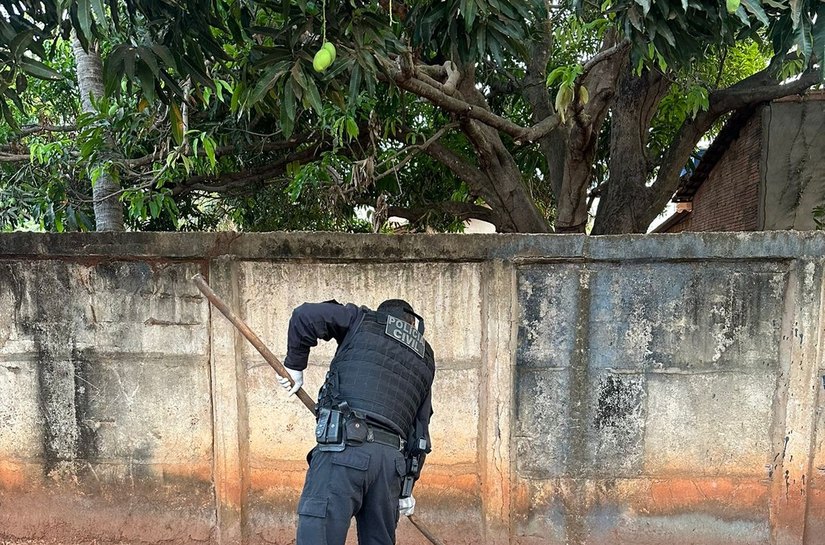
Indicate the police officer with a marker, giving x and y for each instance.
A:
(373, 417)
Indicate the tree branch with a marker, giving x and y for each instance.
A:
(412, 150)
(602, 55)
(755, 89)
(225, 182)
(221, 151)
(14, 158)
(36, 129)
(601, 77)
(453, 75)
(432, 75)
(463, 108)
(534, 84)
(463, 170)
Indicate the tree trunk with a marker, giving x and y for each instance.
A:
(570, 150)
(571, 197)
(107, 207)
(553, 146)
(626, 203)
(501, 185)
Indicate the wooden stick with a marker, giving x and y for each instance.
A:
(270, 358)
(273, 361)
(424, 530)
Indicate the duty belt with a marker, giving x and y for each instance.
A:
(383, 437)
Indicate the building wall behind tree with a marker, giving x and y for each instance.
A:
(771, 177)
(590, 390)
(728, 200)
(793, 179)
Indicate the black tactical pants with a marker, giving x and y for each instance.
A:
(363, 481)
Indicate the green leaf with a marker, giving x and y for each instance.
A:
(294, 188)
(8, 116)
(818, 34)
(38, 69)
(732, 5)
(804, 39)
(147, 81)
(209, 148)
(154, 208)
(755, 8)
(796, 12)
(494, 43)
(129, 62)
(13, 95)
(351, 127)
(195, 144)
(21, 43)
(100, 13)
(268, 80)
(218, 90)
(313, 96)
(197, 75)
(163, 53)
(557, 73)
(113, 9)
(148, 57)
(171, 83)
(177, 123)
(235, 102)
(645, 5)
(111, 68)
(354, 85)
(469, 9)
(288, 109)
(84, 17)
(743, 16)
(664, 30)
(635, 18)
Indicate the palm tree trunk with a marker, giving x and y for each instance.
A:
(107, 207)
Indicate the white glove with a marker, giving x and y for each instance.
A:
(297, 378)
(406, 506)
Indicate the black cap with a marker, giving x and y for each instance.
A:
(398, 308)
(403, 310)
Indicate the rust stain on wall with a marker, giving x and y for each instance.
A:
(12, 475)
(720, 496)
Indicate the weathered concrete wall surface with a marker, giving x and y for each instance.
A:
(625, 390)
(792, 184)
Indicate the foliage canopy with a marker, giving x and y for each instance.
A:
(436, 111)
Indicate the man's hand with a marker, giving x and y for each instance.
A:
(406, 506)
(297, 378)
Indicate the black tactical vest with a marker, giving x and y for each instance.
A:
(380, 376)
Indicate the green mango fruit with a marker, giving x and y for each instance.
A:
(322, 60)
(331, 48)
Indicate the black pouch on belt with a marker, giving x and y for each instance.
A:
(356, 430)
(329, 431)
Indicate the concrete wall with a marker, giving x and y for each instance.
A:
(624, 390)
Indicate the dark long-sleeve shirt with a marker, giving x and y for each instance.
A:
(332, 320)
(313, 321)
